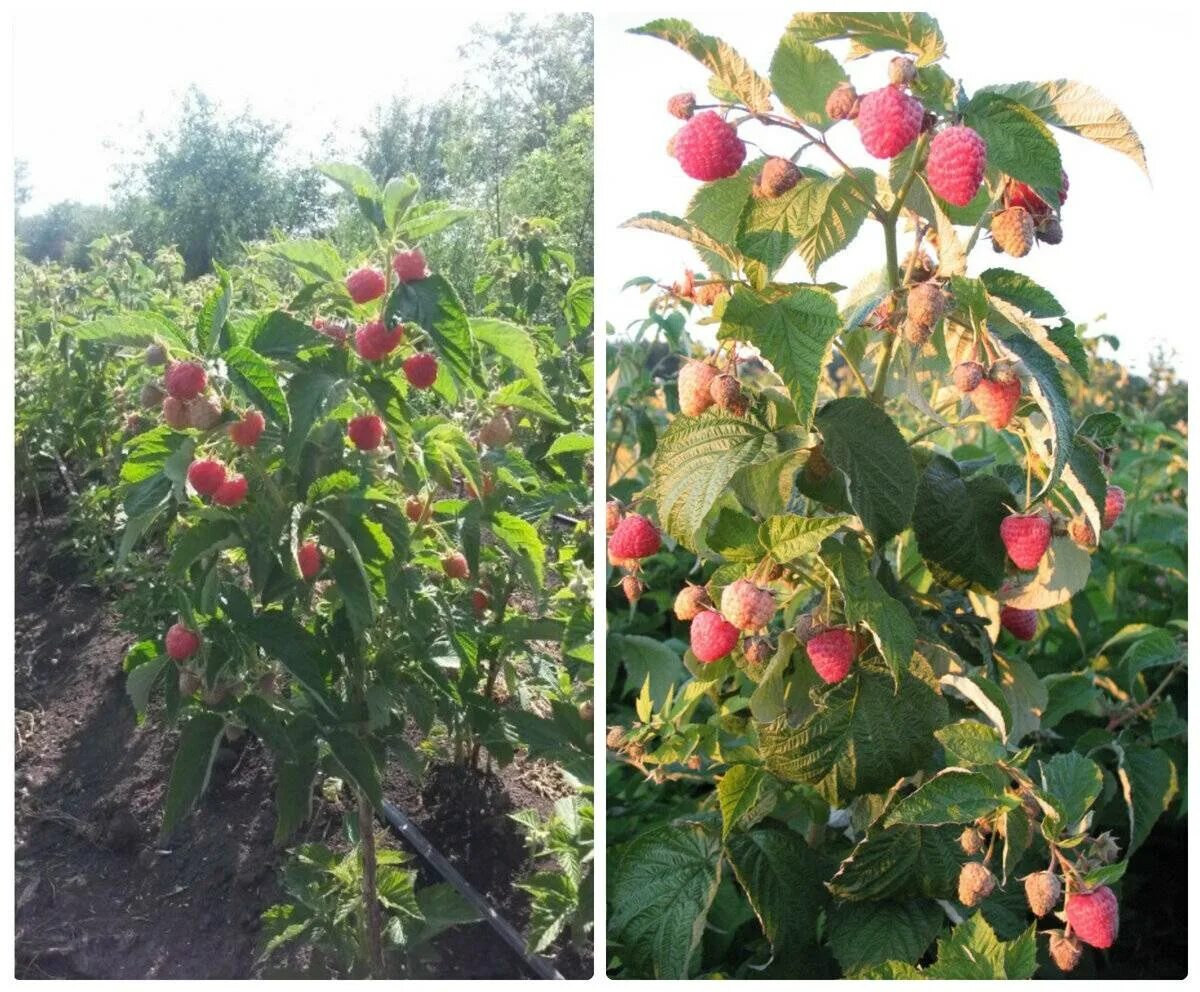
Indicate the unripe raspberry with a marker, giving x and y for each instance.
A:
(832, 653)
(206, 475)
(1065, 951)
(806, 627)
(926, 304)
(231, 492)
(1013, 231)
(919, 265)
(971, 841)
(957, 161)
(727, 394)
(1042, 892)
(746, 606)
(691, 601)
(612, 516)
(1022, 624)
(712, 636)
(889, 120)
(633, 587)
(975, 883)
(365, 284)
(186, 380)
(1082, 533)
(916, 334)
(409, 266)
(682, 105)
(1026, 538)
(455, 565)
(414, 508)
(902, 71)
(1114, 506)
(365, 431)
(1050, 231)
(182, 642)
(155, 355)
(967, 375)
(1105, 848)
(309, 559)
(174, 413)
(695, 385)
(1093, 916)
(374, 342)
(707, 148)
(634, 538)
(842, 103)
(246, 432)
(778, 176)
(706, 293)
(685, 288)
(152, 395)
(758, 649)
(997, 400)
(480, 602)
(421, 370)
(497, 432)
(203, 413)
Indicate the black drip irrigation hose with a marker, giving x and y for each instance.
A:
(405, 828)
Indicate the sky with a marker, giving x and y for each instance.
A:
(1124, 234)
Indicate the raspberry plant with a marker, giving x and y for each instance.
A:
(369, 509)
(885, 492)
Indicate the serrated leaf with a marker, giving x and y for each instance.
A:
(900, 861)
(315, 258)
(677, 227)
(133, 330)
(916, 34)
(1074, 781)
(803, 76)
(398, 193)
(954, 795)
(782, 878)
(280, 335)
(360, 184)
(1022, 292)
(141, 680)
(1149, 783)
(198, 743)
(510, 342)
(521, 538)
(202, 538)
(254, 378)
(434, 305)
(729, 69)
(862, 934)
(957, 525)
(787, 537)
(1018, 143)
(429, 218)
(299, 651)
(987, 697)
(737, 794)
(973, 951)
(970, 742)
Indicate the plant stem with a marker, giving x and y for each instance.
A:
(1123, 718)
(374, 919)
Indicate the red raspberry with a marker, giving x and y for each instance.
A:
(695, 387)
(957, 160)
(231, 492)
(1025, 538)
(832, 653)
(1114, 506)
(206, 475)
(414, 508)
(635, 537)
(708, 148)
(1093, 916)
(310, 559)
(480, 601)
(421, 370)
(409, 266)
(889, 120)
(746, 606)
(365, 431)
(713, 637)
(691, 601)
(182, 642)
(246, 432)
(175, 413)
(374, 342)
(455, 565)
(1022, 624)
(1018, 194)
(365, 285)
(997, 401)
(186, 380)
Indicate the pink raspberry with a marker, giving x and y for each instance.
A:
(186, 380)
(232, 491)
(635, 538)
(175, 413)
(957, 160)
(366, 432)
(455, 565)
(889, 120)
(1022, 624)
(1019, 194)
(1025, 538)
(713, 637)
(374, 342)
(1093, 916)
(832, 653)
(246, 432)
(708, 148)
(746, 606)
(365, 285)
(206, 475)
(182, 642)
(309, 558)
(1114, 506)
(409, 266)
(421, 370)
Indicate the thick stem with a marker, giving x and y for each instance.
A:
(494, 663)
(374, 918)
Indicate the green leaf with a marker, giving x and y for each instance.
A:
(360, 184)
(1022, 292)
(687, 230)
(202, 538)
(973, 951)
(398, 193)
(198, 743)
(788, 537)
(952, 796)
(735, 536)
(738, 792)
(214, 312)
(1073, 780)
(1081, 110)
(1062, 572)
(1018, 143)
(434, 305)
(731, 72)
(716, 208)
(862, 441)
(970, 742)
(309, 395)
(898, 862)
(867, 602)
(1087, 482)
(803, 76)
(255, 379)
(299, 651)
(645, 658)
(510, 342)
(987, 697)
(280, 335)
(351, 575)
(782, 878)
(957, 525)
(794, 332)
(696, 458)
(1149, 783)
(871, 933)
(311, 257)
(661, 886)
(570, 444)
(133, 330)
(355, 758)
(521, 538)
(429, 218)
(141, 680)
(916, 34)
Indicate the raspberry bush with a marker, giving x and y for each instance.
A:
(895, 727)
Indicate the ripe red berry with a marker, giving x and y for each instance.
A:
(365, 284)
(635, 537)
(889, 120)
(365, 431)
(421, 370)
(232, 491)
(957, 160)
(1026, 538)
(997, 401)
(1093, 916)
(1114, 506)
(480, 601)
(455, 565)
(746, 606)
(1022, 624)
(1018, 194)
(182, 642)
(374, 342)
(414, 508)
(246, 432)
(206, 475)
(186, 380)
(310, 559)
(832, 653)
(409, 266)
(707, 148)
(712, 636)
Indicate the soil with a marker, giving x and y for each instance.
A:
(95, 896)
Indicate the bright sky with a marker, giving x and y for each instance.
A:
(1122, 233)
